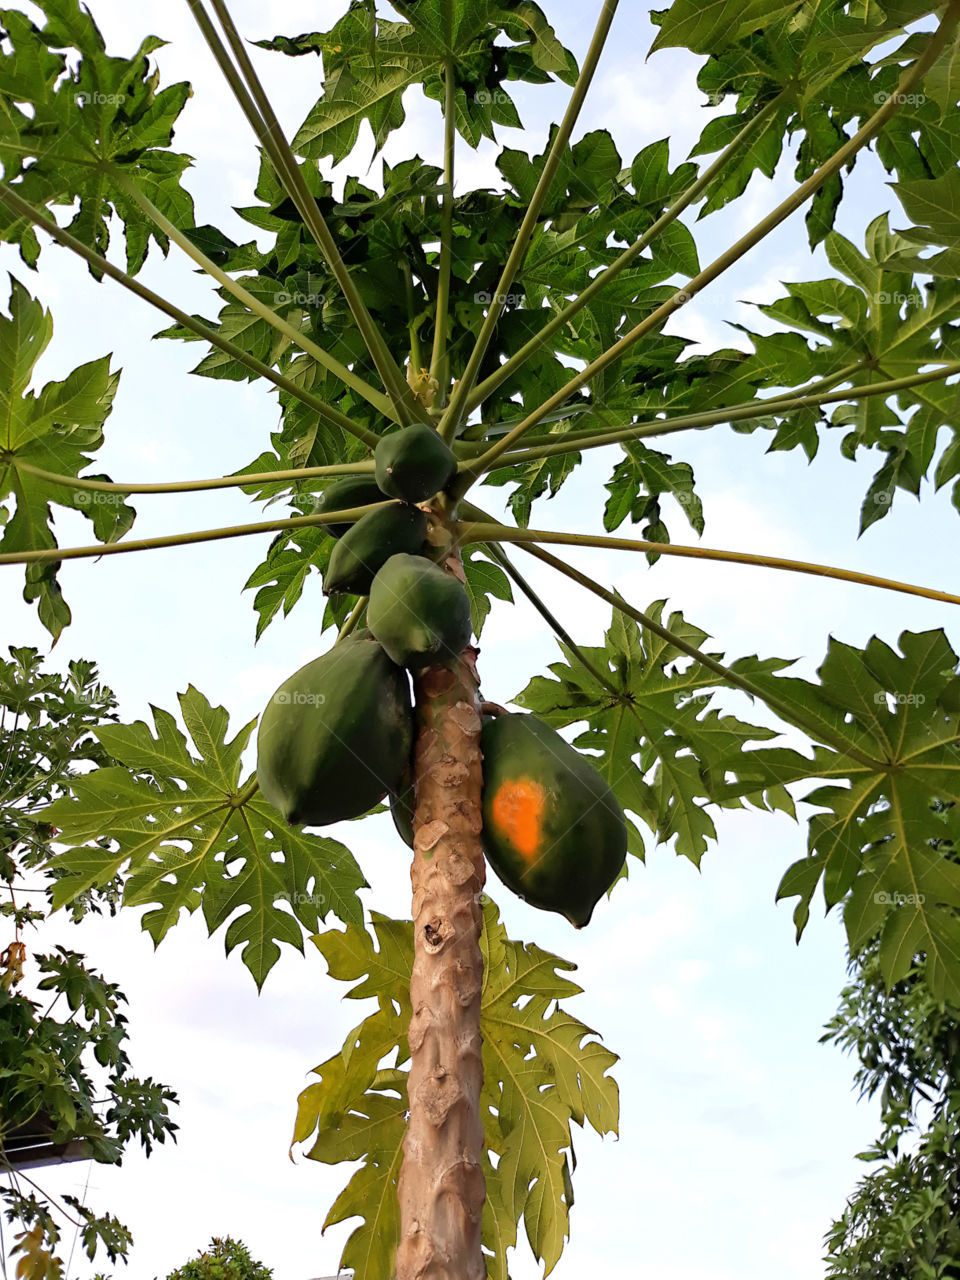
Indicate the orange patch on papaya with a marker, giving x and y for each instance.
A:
(518, 814)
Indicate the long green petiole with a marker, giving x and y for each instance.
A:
(468, 531)
(416, 356)
(716, 268)
(256, 106)
(818, 731)
(196, 486)
(56, 554)
(446, 226)
(325, 411)
(379, 401)
(455, 411)
(760, 408)
(656, 426)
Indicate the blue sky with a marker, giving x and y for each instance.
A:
(738, 1130)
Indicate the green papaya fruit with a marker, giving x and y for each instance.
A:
(370, 543)
(413, 463)
(335, 738)
(552, 828)
(351, 491)
(417, 612)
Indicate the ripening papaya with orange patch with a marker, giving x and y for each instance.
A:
(552, 828)
(517, 811)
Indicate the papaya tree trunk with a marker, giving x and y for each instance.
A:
(441, 1185)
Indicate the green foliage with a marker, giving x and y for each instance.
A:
(485, 582)
(55, 430)
(158, 798)
(63, 1078)
(903, 1220)
(369, 62)
(45, 1083)
(81, 132)
(225, 1259)
(888, 324)
(816, 65)
(882, 832)
(542, 1069)
(75, 133)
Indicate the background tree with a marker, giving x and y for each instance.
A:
(360, 322)
(226, 1259)
(66, 1091)
(903, 1220)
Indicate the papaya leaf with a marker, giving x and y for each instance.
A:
(709, 28)
(656, 741)
(291, 559)
(881, 318)
(69, 136)
(542, 1070)
(881, 836)
(637, 484)
(55, 429)
(485, 581)
(184, 832)
(369, 63)
(816, 62)
(533, 480)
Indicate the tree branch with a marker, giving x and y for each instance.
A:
(351, 622)
(716, 268)
(416, 356)
(457, 405)
(326, 411)
(195, 486)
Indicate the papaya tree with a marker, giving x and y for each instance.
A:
(429, 348)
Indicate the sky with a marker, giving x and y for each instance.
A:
(738, 1129)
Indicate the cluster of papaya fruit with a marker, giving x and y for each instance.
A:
(336, 738)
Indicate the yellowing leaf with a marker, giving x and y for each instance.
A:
(542, 1070)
